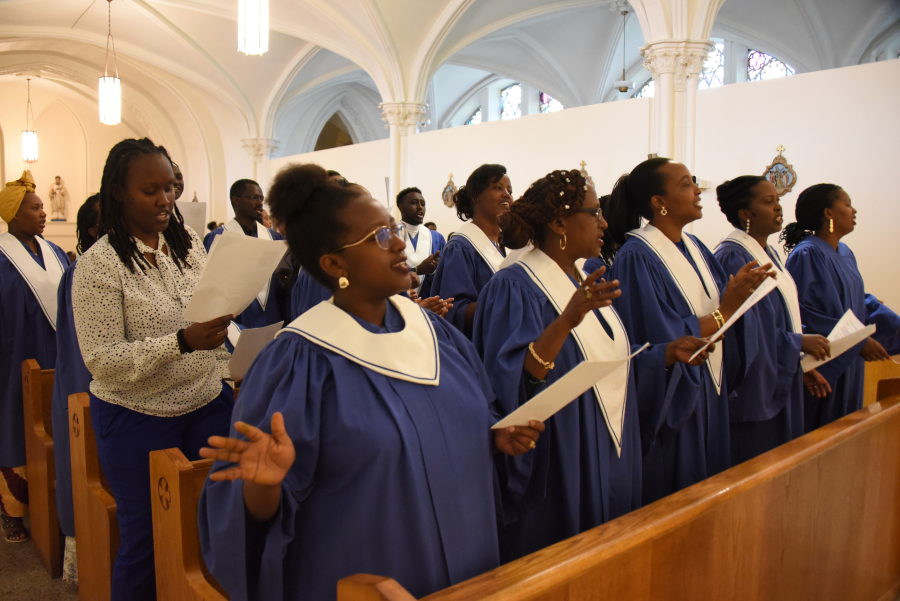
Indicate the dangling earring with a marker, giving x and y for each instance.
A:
(343, 282)
(747, 233)
(563, 242)
(663, 212)
(831, 225)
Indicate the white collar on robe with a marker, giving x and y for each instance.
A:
(784, 281)
(263, 233)
(590, 337)
(692, 288)
(422, 249)
(44, 283)
(410, 354)
(482, 244)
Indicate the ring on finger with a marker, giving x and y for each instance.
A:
(588, 293)
(531, 445)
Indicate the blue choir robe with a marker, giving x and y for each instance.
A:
(306, 294)
(431, 242)
(469, 260)
(683, 414)
(829, 284)
(765, 403)
(391, 477)
(256, 315)
(71, 377)
(27, 331)
(574, 480)
(592, 265)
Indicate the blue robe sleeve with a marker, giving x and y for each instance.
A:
(887, 324)
(208, 238)
(455, 278)
(592, 265)
(306, 294)
(289, 376)
(665, 395)
(507, 320)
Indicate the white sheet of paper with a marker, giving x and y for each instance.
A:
(766, 287)
(236, 270)
(249, 344)
(847, 333)
(562, 392)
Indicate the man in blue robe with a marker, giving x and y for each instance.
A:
(423, 245)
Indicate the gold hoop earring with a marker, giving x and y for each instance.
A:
(343, 282)
(831, 225)
(663, 212)
(563, 242)
(747, 232)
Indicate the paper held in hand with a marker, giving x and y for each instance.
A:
(766, 287)
(250, 343)
(848, 332)
(562, 392)
(237, 268)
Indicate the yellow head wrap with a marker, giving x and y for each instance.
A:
(12, 195)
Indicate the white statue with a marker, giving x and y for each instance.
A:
(58, 197)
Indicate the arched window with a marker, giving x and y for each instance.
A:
(475, 118)
(647, 90)
(713, 73)
(763, 66)
(549, 104)
(510, 101)
(334, 134)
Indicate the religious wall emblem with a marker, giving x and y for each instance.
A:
(449, 192)
(781, 174)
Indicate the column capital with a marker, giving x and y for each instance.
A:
(260, 149)
(403, 114)
(683, 58)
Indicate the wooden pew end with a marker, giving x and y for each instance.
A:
(365, 587)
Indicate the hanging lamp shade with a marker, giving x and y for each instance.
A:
(29, 136)
(623, 85)
(253, 26)
(110, 100)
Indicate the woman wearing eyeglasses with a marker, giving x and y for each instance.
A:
(350, 454)
(537, 320)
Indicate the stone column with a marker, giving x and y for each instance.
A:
(401, 118)
(661, 60)
(686, 84)
(260, 151)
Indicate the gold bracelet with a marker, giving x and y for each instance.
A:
(717, 315)
(547, 365)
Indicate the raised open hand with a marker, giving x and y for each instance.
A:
(589, 296)
(262, 459)
(742, 284)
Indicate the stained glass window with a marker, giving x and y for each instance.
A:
(510, 101)
(475, 118)
(763, 66)
(712, 74)
(549, 104)
(647, 90)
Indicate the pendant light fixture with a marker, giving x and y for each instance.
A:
(29, 136)
(253, 26)
(623, 85)
(110, 87)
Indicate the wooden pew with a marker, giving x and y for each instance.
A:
(95, 508)
(37, 397)
(817, 518)
(876, 371)
(181, 573)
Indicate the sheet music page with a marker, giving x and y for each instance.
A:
(766, 287)
(237, 269)
(563, 391)
(250, 343)
(847, 333)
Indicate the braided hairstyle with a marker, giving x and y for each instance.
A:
(310, 206)
(88, 215)
(630, 201)
(478, 182)
(735, 195)
(557, 194)
(112, 222)
(809, 212)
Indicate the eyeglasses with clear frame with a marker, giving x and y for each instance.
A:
(383, 236)
(596, 212)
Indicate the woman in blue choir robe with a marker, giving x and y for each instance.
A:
(765, 402)
(378, 458)
(672, 286)
(30, 271)
(306, 294)
(474, 253)
(829, 284)
(71, 377)
(536, 321)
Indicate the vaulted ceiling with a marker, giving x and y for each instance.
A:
(180, 57)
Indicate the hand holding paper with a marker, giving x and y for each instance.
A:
(848, 332)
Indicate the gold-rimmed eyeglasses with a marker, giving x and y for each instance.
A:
(383, 236)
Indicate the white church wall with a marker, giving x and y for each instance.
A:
(838, 126)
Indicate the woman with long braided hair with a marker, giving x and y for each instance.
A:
(537, 320)
(157, 379)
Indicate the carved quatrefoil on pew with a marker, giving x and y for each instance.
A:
(75, 429)
(162, 489)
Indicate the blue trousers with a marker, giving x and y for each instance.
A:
(124, 441)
